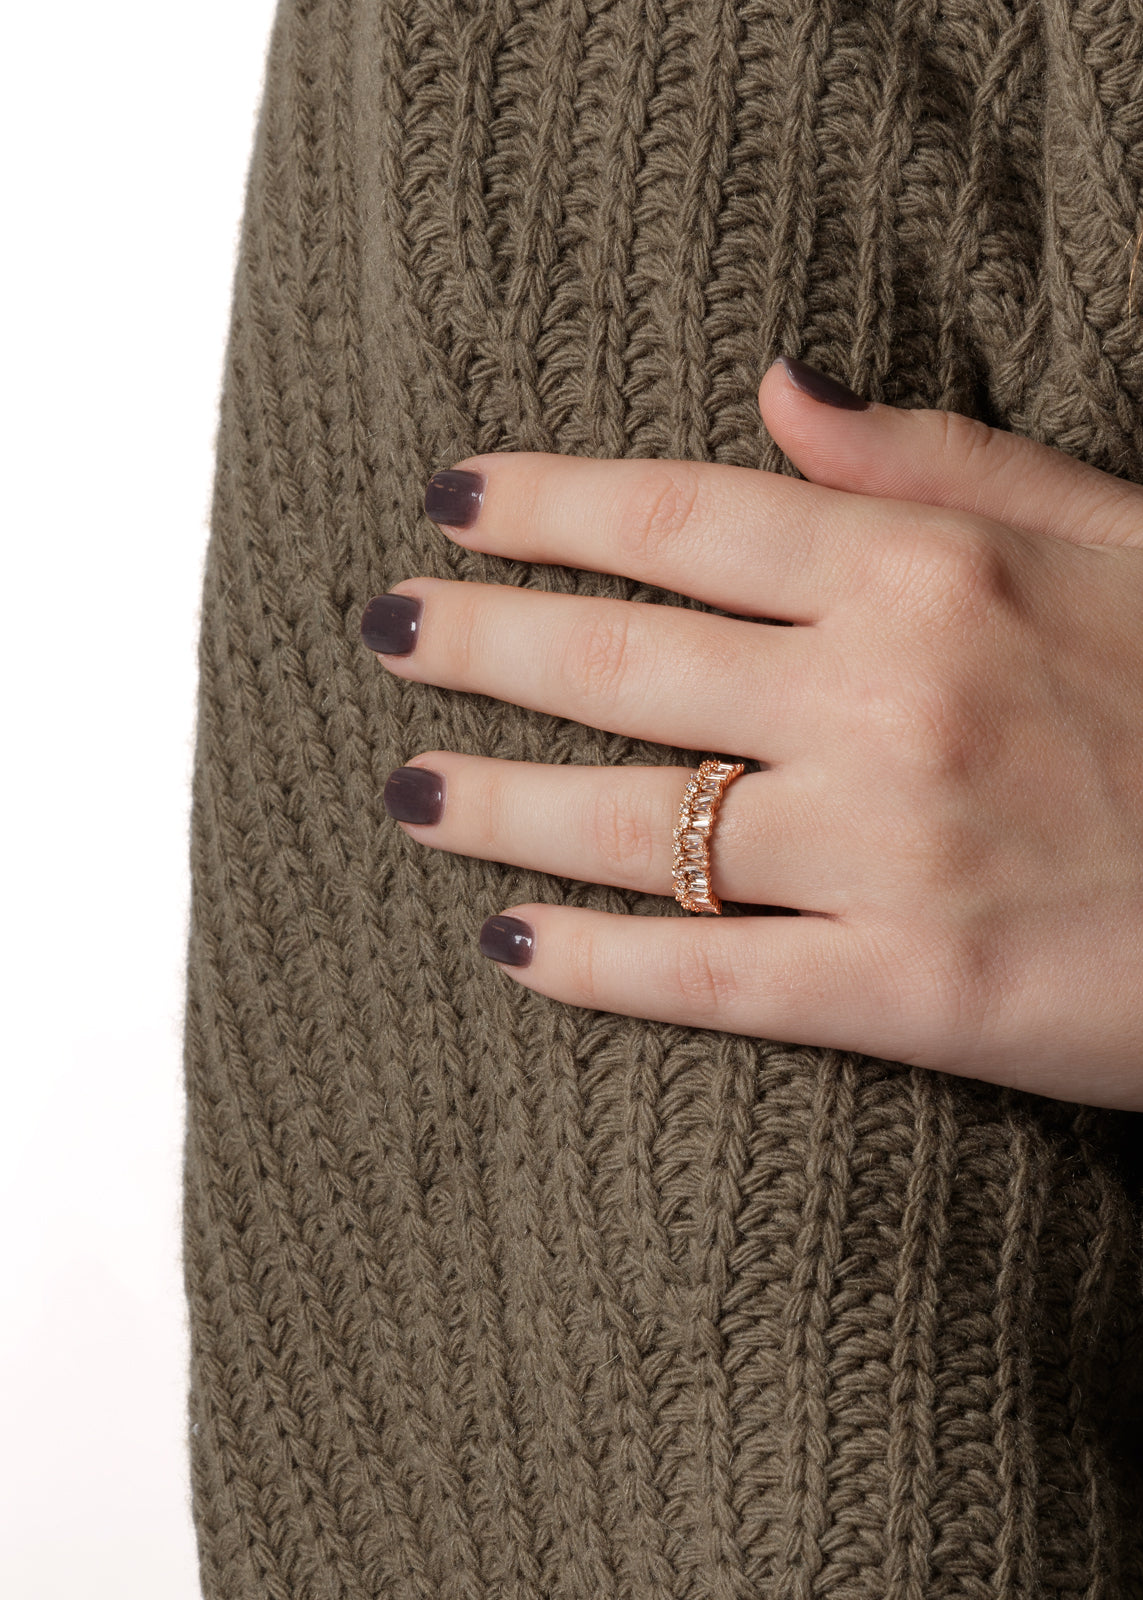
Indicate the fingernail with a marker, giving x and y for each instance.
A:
(414, 794)
(507, 939)
(391, 624)
(453, 499)
(814, 383)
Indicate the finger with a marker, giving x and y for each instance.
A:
(944, 459)
(773, 844)
(752, 543)
(804, 980)
(664, 673)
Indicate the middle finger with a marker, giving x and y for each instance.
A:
(662, 673)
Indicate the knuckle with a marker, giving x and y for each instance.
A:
(622, 837)
(484, 807)
(460, 639)
(949, 975)
(978, 576)
(597, 652)
(934, 853)
(659, 508)
(943, 726)
(951, 575)
(926, 725)
(971, 445)
(579, 959)
(703, 980)
(951, 584)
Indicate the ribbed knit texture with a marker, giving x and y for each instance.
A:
(497, 1299)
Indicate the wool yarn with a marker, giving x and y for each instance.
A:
(494, 1298)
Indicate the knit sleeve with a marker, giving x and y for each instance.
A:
(493, 1298)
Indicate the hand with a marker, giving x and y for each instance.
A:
(952, 739)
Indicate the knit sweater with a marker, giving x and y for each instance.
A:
(495, 1298)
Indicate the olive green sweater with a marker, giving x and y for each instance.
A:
(493, 1298)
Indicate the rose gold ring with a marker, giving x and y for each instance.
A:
(701, 800)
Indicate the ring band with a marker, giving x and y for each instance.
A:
(701, 800)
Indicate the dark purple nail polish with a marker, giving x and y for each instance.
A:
(814, 383)
(414, 794)
(453, 499)
(507, 939)
(391, 624)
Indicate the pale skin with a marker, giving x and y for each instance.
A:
(952, 735)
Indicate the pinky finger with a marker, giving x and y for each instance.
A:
(803, 980)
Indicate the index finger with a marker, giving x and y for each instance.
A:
(750, 542)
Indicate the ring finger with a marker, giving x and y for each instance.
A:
(663, 673)
(614, 825)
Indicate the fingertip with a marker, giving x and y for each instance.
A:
(774, 383)
(508, 938)
(390, 624)
(820, 387)
(414, 795)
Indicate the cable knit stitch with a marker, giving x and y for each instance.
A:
(497, 1299)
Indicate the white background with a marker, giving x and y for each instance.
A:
(127, 130)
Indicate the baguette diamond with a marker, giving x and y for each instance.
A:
(701, 799)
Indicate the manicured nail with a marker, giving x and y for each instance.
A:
(507, 939)
(414, 794)
(453, 499)
(814, 383)
(391, 624)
